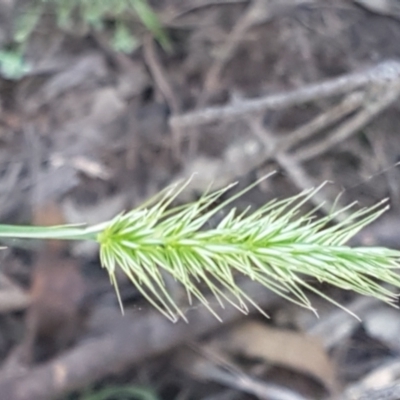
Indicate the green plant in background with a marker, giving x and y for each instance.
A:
(275, 245)
(94, 13)
(114, 16)
(13, 65)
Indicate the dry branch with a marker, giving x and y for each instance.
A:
(389, 94)
(130, 341)
(382, 73)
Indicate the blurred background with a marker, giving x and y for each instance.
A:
(103, 103)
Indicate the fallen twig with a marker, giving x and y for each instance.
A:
(380, 384)
(387, 97)
(322, 121)
(128, 342)
(289, 163)
(384, 72)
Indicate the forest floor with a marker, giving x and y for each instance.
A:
(306, 88)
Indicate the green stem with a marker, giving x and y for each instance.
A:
(63, 232)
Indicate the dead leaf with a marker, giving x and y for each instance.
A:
(294, 350)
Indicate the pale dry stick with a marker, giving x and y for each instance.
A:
(204, 369)
(389, 94)
(387, 71)
(257, 11)
(294, 170)
(159, 75)
(161, 80)
(350, 104)
(262, 151)
(386, 376)
(242, 156)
